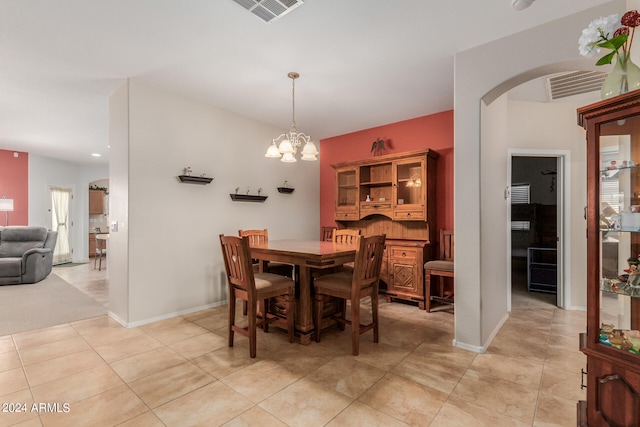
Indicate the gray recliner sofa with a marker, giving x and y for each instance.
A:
(26, 254)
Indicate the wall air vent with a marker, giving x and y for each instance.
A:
(269, 10)
(574, 83)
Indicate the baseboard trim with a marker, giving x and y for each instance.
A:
(164, 316)
(482, 349)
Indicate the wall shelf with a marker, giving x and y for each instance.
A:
(195, 179)
(247, 198)
(285, 190)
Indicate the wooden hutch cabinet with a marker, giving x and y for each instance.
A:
(612, 340)
(392, 194)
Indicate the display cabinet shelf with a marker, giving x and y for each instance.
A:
(542, 270)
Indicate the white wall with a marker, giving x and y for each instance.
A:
(174, 260)
(118, 245)
(44, 172)
(494, 250)
(486, 72)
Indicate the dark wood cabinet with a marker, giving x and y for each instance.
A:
(395, 195)
(96, 202)
(612, 340)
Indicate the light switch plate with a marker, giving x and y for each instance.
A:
(114, 226)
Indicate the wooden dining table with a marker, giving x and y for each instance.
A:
(306, 255)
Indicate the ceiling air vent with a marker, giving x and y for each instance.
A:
(574, 83)
(269, 10)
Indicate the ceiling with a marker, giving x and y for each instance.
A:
(362, 63)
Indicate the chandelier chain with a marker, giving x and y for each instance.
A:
(293, 100)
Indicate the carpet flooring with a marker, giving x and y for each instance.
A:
(47, 303)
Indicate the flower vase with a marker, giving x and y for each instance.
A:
(623, 78)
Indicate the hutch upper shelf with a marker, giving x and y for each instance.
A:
(397, 186)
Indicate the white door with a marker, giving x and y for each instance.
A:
(60, 222)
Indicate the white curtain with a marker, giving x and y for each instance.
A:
(60, 200)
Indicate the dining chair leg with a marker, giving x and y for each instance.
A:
(427, 290)
(319, 308)
(374, 313)
(232, 317)
(343, 314)
(355, 327)
(263, 309)
(252, 319)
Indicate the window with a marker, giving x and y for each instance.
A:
(520, 195)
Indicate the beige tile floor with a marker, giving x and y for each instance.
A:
(180, 372)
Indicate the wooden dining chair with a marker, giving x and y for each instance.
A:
(253, 287)
(257, 237)
(346, 235)
(440, 293)
(101, 252)
(326, 233)
(353, 286)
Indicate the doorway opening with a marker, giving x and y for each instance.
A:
(60, 202)
(535, 220)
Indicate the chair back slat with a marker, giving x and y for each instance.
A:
(446, 245)
(346, 236)
(366, 269)
(326, 233)
(237, 263)
(256, 237)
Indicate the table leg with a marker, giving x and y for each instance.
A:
(304, 313)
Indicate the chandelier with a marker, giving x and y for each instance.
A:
(286, 145)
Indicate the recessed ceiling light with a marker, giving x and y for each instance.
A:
(96, 155)
(521, 4)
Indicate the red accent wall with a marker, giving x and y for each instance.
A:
(14, 184)
(434, 131)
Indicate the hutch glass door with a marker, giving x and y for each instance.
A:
(619, 308)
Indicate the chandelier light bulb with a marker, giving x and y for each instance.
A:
(288, 158)
(285, 147)
(310, 149)
(273, 151)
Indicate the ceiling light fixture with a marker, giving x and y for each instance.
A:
(521, 4)
(291, 141)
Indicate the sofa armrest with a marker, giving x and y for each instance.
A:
(34, 251)
(36, 264)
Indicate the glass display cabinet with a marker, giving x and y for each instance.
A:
(346, 203)
(612, 340)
